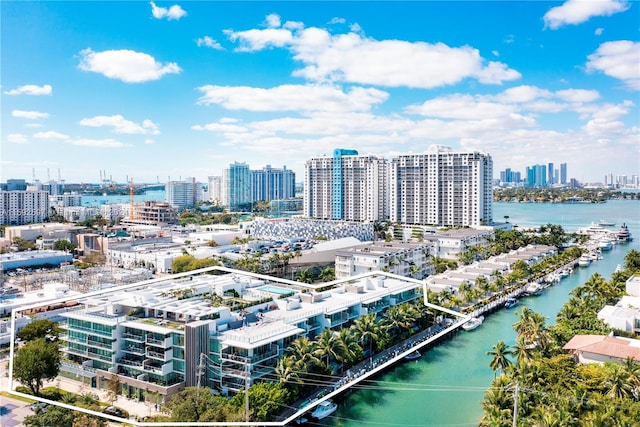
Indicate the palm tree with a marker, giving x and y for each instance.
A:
(304, 276)
(367, 331)
(399, 320)
(522, 350)
(327, 274)
(352, 350)
(531, 327)
(303, 352)
(618, 384)
(328, 345)
(287, 372)
(500, 360)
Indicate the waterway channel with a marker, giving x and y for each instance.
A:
(445, 387)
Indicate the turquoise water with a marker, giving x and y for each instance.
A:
(446, 386)
(158, 195)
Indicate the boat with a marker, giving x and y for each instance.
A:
(473, 323)
(618, 268)
(413, 355)
(510, 302)
(604, 244)
(605, 223)
(623, 234)
(324, 409)
(533, 289)
(584, 260)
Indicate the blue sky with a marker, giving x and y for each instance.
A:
(152, 90)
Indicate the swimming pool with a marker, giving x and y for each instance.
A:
(275, 290)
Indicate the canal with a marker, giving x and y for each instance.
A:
(446, 386)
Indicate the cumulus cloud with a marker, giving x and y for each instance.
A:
(291, 98)
(355, 58)
(598, 31)
(51, 135)
(464, 107)
(31, 90)
(207, 41)
(577, 95)
(32, 115)
(618, 59)
(126, 65)
(273, 20)
(122, 125)
(98, 143)
(174, 12)
(575, 12)
(17, 138)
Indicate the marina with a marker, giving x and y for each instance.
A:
(447, 384)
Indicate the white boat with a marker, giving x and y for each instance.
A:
(605, 223)
(413, 356)
(324, 409)
(533, 289)
(584, 260)
(623, 234)
(473, 323)
(618, 268)
(511, 302)
(604, 244)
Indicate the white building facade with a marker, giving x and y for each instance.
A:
(21, 207)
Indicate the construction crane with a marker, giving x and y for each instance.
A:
(132, 214)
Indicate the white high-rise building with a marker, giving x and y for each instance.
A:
(21, 207)
(183, 194)
(236, 187)
(442, 187)
(346, 187)
(215, 189)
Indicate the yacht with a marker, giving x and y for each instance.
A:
(511, 302)
(605, 223)
(473, 323)
(604, 244)
(623, 234)
(324, 409)
(584, 260)
(533, 289)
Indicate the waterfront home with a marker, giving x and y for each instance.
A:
(451, 243)
(625, 315)
(602, 348)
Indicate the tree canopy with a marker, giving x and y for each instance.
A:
(35, 362)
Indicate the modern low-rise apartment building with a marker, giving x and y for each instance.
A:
(225, 331)
(405, 259)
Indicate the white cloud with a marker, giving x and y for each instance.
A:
(292, 98)
(126, 65)
(463, 107)
(220, 127)
(51, 135)
(32, 115)
(98, 143)
(577, 95)
(17, 138)
(174, 12)
(209, 42)
(574, 12)
(618, 59)
(149, 141)
(122, 125)
(598, 31)
(355, 58)
(273, 20)
(31, 90)
(521, 94)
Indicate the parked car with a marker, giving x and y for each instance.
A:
(112, 410)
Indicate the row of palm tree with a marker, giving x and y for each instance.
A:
(556, 391)
(333, 351)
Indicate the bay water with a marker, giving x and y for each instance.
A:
(445, 387)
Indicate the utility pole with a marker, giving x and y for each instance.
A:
(515, 405)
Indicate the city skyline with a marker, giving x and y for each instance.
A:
(168, 89)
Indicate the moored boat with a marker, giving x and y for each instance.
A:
(510, 302)
(605, 223)
(473, 323)
(533, 289)
(413, 356)
(604, 244)
(623, 234)
(584, 260)
(324, 409)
